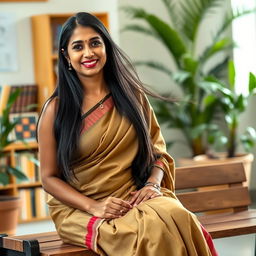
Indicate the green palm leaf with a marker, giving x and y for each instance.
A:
(229, 18)
(4, 178)
(172, 11)
(216, 47)
(141, 29)
(155, 65)
(193, 12)
(166, 33)
(219, 70)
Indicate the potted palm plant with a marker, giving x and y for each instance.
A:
(232, 104)
(195, 114)
(9, 204)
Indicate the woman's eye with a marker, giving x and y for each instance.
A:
(95, 43)
(77, 47)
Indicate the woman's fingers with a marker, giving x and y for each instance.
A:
(145, 194)
(116, 207)
(122, 205)
(135, 196)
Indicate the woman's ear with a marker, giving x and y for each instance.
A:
(65, 54)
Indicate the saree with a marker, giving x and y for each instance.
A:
(159, 226)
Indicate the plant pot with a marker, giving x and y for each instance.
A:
(246, 159)
(9, 213)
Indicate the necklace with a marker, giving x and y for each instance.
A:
(100, 105)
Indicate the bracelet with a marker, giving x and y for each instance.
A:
(155, 185)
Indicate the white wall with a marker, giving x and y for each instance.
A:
(24, 10)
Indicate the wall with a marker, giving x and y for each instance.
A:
(22, 13)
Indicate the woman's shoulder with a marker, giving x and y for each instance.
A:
(50, 106)
(49, 110)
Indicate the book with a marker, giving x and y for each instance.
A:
(27, 99)
(41, 205)
(24, 161)
(26, 209)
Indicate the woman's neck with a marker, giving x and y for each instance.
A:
(94, 86)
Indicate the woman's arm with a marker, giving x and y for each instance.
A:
(162, 173)
(59, 189)
(156, 176)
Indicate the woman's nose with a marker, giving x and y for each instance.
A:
(88, 52)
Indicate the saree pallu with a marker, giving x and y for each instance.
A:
(158, 227)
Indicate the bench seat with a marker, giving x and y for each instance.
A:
(230, 224)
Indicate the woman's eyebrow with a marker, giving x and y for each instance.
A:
(81, 41)
(77, 41)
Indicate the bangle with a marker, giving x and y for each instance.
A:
(155, 185)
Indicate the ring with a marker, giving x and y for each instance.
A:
(121, 211)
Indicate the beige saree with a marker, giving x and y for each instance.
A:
(158, 227)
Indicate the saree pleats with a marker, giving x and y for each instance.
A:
(158, 227)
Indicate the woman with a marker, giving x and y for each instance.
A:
(103, 158)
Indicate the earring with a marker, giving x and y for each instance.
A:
(69, 66)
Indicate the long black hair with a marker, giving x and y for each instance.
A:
(126, 90)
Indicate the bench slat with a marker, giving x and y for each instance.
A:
(232, 228)
(227, 217)
(201, 201)
(210, 175)
(39, 236)
(66, 250)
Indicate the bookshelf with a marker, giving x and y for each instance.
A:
(31, 191)
(45, 30)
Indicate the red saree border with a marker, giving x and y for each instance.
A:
(99, 112)
(159, 163)
(209, 241)
(92, 233)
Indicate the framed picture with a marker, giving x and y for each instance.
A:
(25, 128)
(8, 43)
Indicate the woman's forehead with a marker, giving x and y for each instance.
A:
(83, 33)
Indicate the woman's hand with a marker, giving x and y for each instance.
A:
(144, 194)
(110, 208)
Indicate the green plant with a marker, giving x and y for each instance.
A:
(196, 113)
(232, 104)
(6, 127)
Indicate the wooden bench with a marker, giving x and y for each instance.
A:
(234, 197)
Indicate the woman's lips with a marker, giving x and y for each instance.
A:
(90, 64)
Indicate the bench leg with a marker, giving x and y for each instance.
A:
(30, 248)
(255, 246)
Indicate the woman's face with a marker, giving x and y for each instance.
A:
(86, 52)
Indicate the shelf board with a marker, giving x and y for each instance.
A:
(7, 187)
(29, 185)
(34, 219)
(21, 146)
